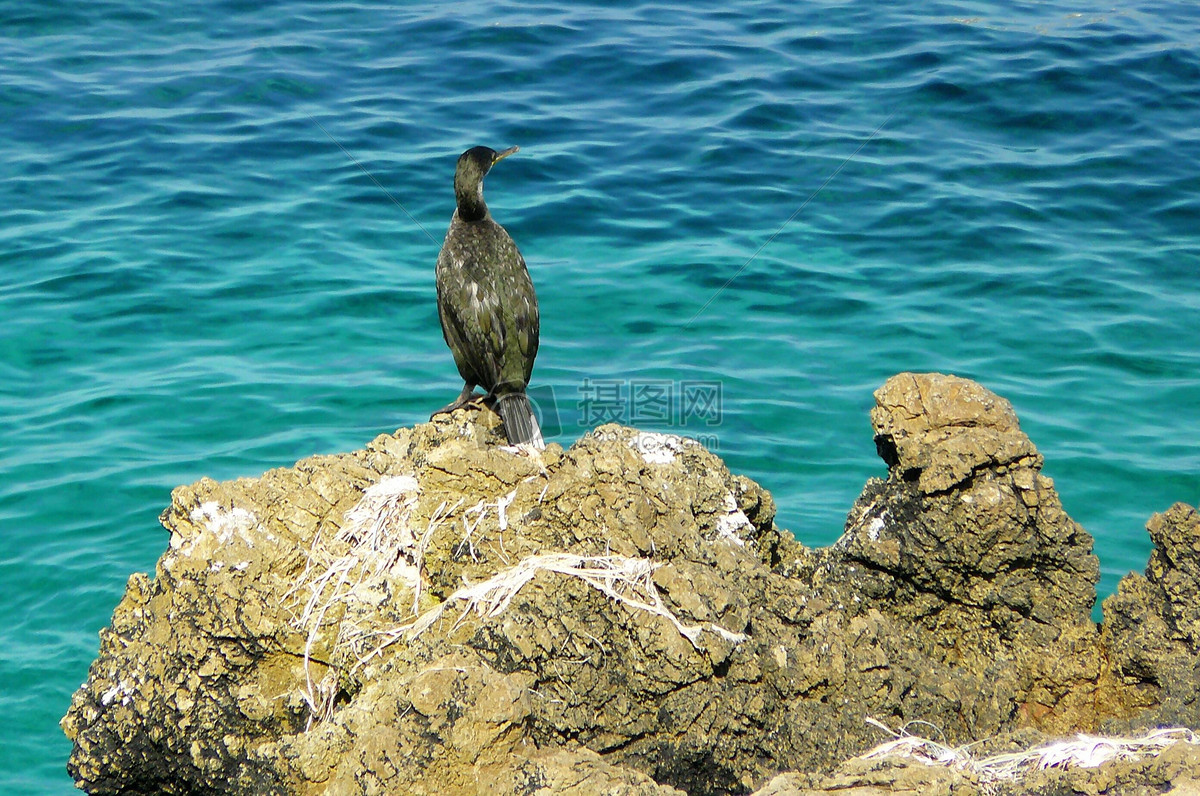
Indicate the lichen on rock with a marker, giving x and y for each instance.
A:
(440, 613)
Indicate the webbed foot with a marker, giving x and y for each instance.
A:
(468, 397)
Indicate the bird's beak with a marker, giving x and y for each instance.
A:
(502, 155)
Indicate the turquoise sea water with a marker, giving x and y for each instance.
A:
(201, 272)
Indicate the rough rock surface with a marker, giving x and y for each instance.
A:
(1152, 624)
(967, 544)
(440, 614)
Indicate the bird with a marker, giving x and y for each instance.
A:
(487, 304)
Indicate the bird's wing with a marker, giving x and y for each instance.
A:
(528, 321)
(473, 326)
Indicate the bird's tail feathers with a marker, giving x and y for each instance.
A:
(520, 425)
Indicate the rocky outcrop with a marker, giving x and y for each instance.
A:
(967, 544)
(441, 614)
(1152, 624)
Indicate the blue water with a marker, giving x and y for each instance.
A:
(218, 224)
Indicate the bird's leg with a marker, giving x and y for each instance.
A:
(465, 398)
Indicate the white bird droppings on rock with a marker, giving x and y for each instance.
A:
(875, 528)
(733, 521)
(121, 690)
(223, 523)
(658, 448)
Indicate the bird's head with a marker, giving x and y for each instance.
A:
(473, 166)
(477, 161)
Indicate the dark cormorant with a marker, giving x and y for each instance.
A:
(486, 303)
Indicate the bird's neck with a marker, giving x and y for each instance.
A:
(469, 196)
